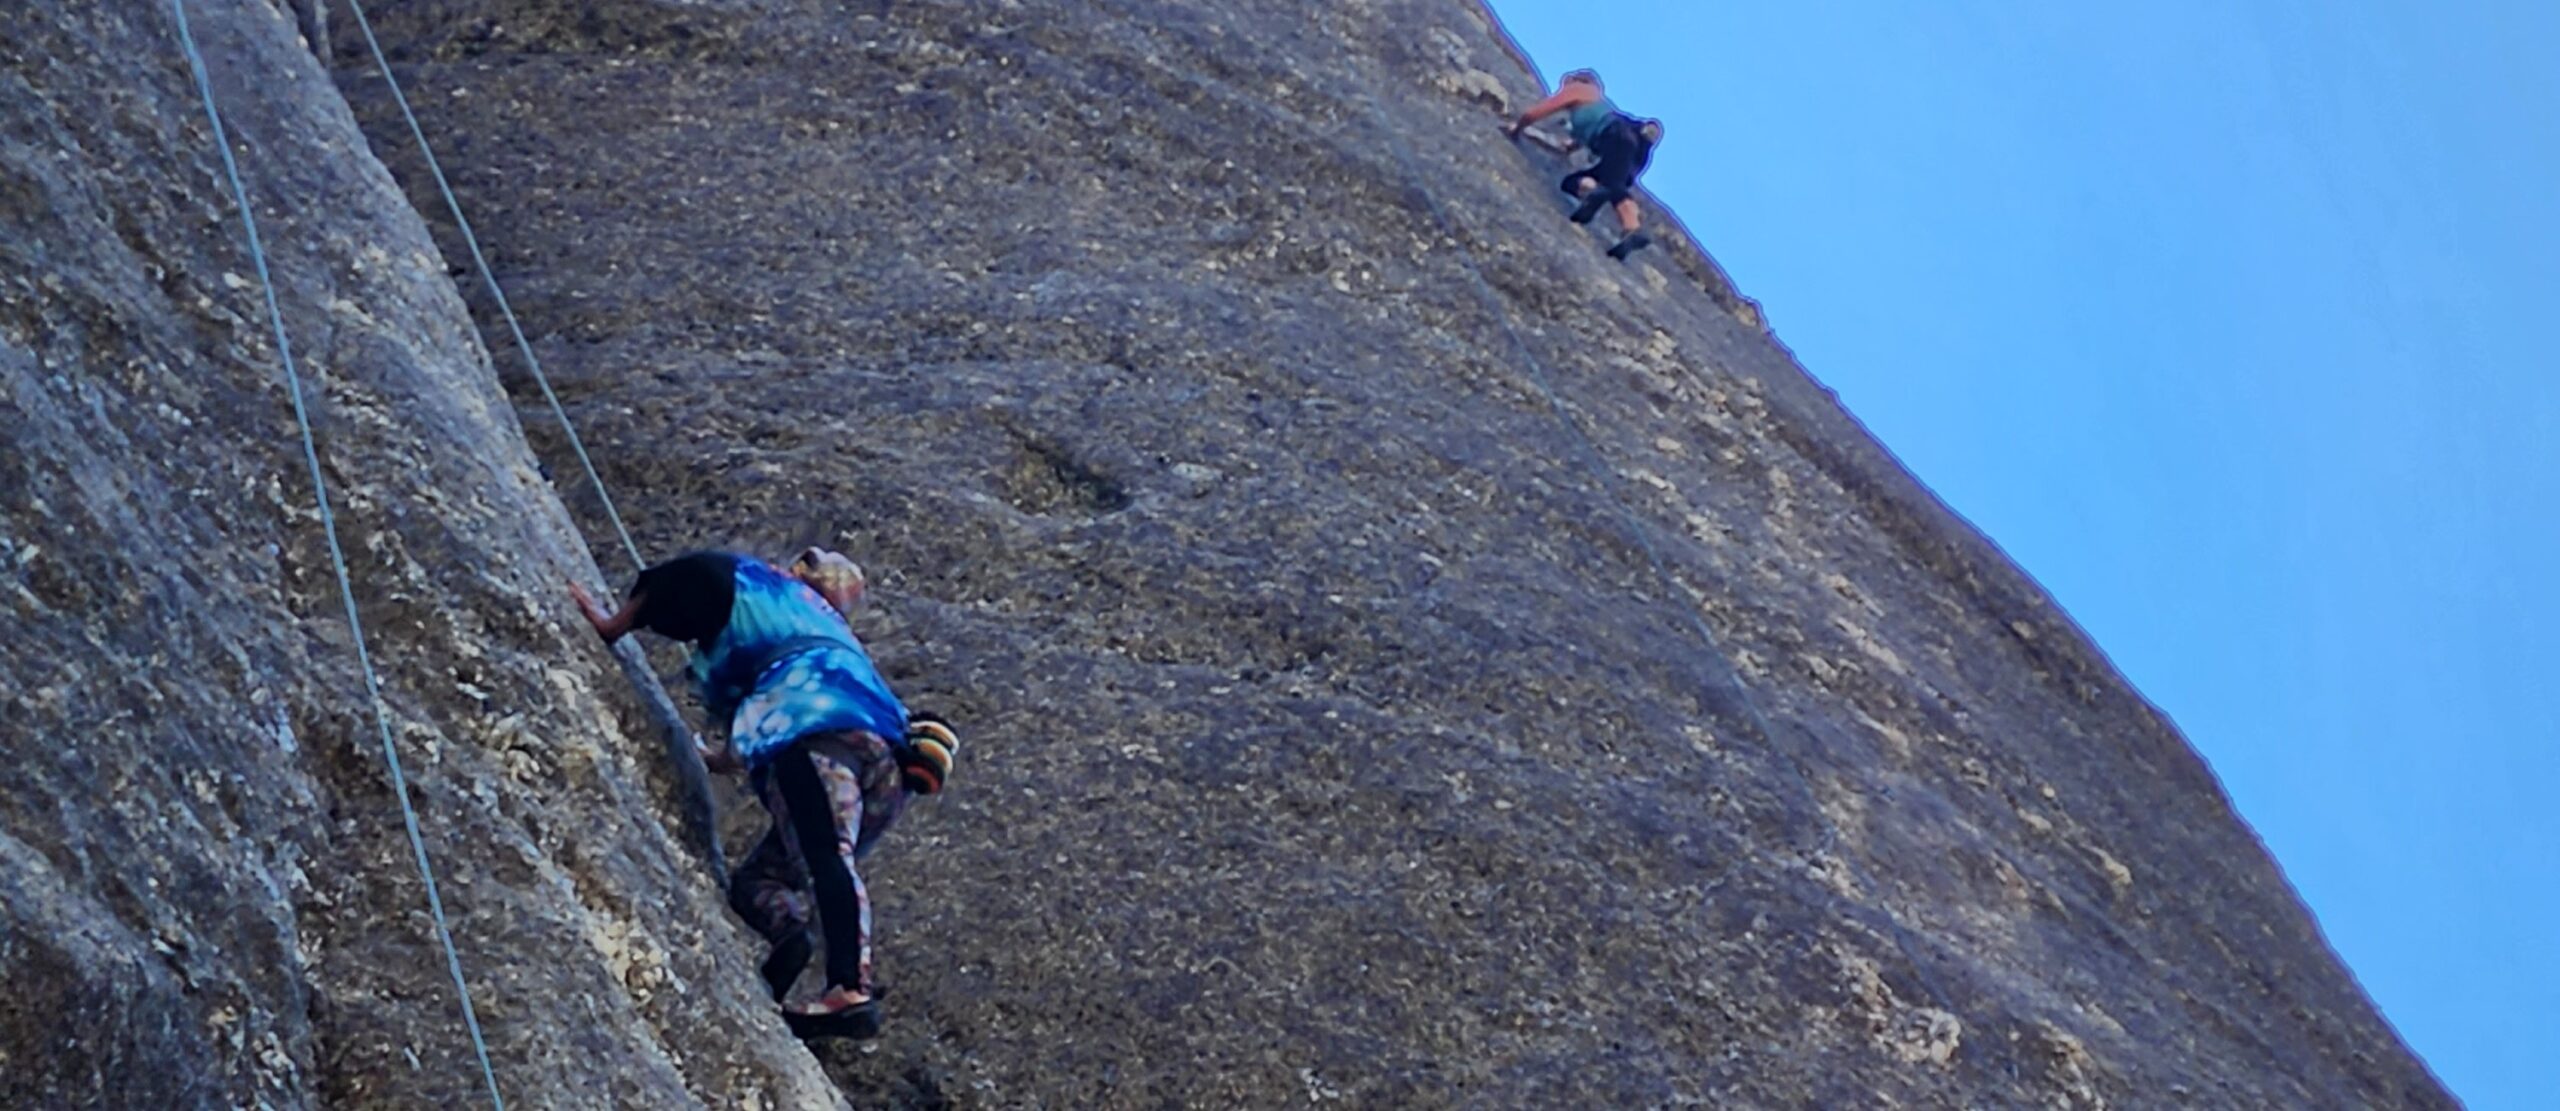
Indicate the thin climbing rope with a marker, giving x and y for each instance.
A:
(490, 279)
(1599, 465)
(681, 746)
(337, 554)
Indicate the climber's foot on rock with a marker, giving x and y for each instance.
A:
(841, 1013)
(1592, 202)
(1634, 242)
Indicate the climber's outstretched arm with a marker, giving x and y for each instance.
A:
(1568, 97)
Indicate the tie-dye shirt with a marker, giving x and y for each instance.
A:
(778, 665)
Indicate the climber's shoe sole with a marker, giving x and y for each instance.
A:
(1630, 245)
(858, 1023)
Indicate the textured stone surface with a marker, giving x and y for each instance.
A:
(205, 895)
(1334, 735)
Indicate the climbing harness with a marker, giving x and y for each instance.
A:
(1599, 467)
(337, 554)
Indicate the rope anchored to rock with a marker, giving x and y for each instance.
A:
(694, 780)
(337, 554)
(687, 759)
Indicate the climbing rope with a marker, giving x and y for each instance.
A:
(490, 279)
(1599, 467)
(337, 554)
(700, 811)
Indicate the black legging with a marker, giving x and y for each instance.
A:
(1622, 154)
(813, 824)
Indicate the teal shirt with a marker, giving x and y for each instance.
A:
(1587, 121)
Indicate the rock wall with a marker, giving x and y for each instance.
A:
(1408, 659)
(206, 899)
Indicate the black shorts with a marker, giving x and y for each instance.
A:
(1622, 154)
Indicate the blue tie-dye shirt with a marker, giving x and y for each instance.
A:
(787, 666)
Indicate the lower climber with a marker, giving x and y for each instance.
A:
(1622, 144)
(831, 752)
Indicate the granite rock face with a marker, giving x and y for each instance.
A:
(206, 898)
(1406, 658)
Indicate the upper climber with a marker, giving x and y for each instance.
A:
(1622, 144)
(831, 752)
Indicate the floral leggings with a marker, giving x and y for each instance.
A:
(839, 791)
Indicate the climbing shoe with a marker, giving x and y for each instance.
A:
(859, 1022)
(782, 966)
(1591, 206)
(1634, 242)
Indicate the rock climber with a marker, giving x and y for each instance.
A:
(1622, 144)
(831, 752)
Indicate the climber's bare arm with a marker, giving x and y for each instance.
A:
(618, 624)
(611, 626)
(1571, 96)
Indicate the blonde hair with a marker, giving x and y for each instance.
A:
(827, 570)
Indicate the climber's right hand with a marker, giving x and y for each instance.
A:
(723, 760)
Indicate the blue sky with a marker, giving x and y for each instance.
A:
(2227, 320)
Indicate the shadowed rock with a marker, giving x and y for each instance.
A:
(1363, 703)
(206, 898)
